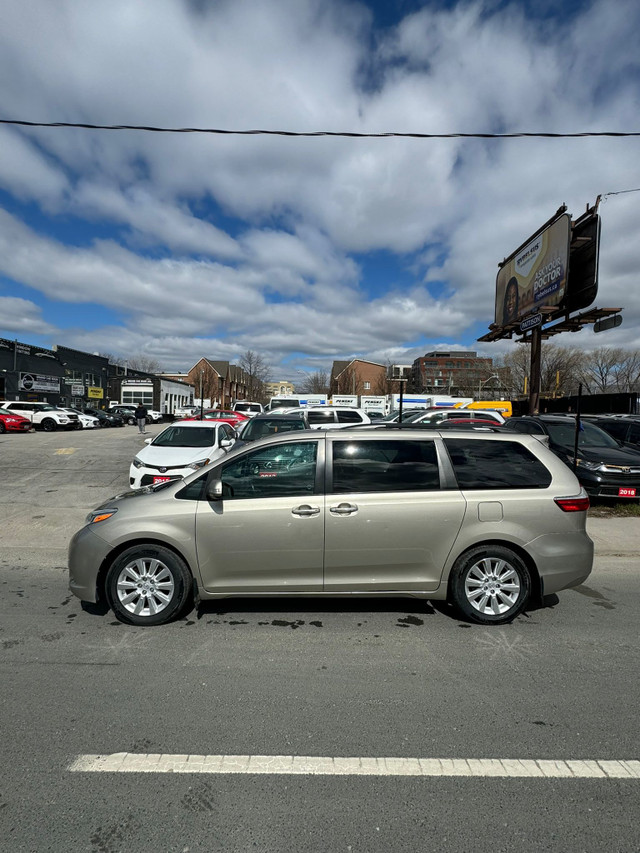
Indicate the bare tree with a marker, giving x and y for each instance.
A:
(627, 373)
(316, 383)
(258, 372)
(560, 369)
(599, 369)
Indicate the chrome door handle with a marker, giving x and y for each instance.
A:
(343, 509)
(305, 510)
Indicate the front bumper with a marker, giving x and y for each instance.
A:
(141, 477)
(87, 552)
(607, 485)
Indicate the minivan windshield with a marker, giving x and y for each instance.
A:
(589, 435)
(177, 436)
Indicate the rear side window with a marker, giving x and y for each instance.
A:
(384, 466)
(321, 416)
(347, 417)
(482, 464)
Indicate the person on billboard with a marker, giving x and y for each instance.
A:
(510, 304)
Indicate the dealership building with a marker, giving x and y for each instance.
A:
(67, 377)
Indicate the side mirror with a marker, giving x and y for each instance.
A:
(214, 490)
(148, 440)
(227, 442)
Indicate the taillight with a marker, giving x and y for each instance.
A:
(576, 504)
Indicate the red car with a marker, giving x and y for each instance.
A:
(10, 422)
(233, 418)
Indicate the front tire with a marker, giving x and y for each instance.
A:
(490, 584)
(3, 428)
(148, 585)
(49, 425)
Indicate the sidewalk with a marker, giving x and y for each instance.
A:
(615, 536)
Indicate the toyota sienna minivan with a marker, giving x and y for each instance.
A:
(489, 522)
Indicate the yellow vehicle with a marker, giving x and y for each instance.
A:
(503, 406)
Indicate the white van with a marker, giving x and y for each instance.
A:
(246, 407)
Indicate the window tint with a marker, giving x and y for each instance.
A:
(260, 427)
(321, 416)
(616, 429)
(384, 466)
(347, 417)
(281, 470)
(526, 427)
(482, 464)
(194, 491)
(634, 434)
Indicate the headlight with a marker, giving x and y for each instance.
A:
(98, 515)
(590, 466)
(137, 463)
(199, 464)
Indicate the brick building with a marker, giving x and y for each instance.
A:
(459, 373)
(358, 376)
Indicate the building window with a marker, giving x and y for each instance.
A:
(73, 375)
(367, 386)
(90, 379)
(144, 397)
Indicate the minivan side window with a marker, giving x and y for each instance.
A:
(277, 471)
(482, 464)
(384, 466)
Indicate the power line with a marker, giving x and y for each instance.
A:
(310, 133)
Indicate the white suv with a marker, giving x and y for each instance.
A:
(42, 415)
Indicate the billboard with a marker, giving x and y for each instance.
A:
(536, 275)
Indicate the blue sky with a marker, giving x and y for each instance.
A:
(304, 250)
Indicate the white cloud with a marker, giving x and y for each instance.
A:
(276, 224)
(22, 317)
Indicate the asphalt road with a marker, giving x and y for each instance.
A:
(384, 678)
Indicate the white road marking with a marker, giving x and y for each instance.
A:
(301, 765)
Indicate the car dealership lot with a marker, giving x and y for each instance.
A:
(391, 678)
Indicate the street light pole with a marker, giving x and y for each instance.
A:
(201, 397)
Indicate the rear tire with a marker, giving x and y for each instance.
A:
(148, 585)
(490, 584)
(3, 428)
(49, 425)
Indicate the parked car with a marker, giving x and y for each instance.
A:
(42, 415)
(248, 408)
(128, 413)
(233, 418)
(185, 411)
(394, 415)
(179, 450)
(625, 430)
(270, 423)
(332, 417)
(11, 422)
(604, 468)
(84, 421)
(437, 415)
(107, 419)
(486, 521)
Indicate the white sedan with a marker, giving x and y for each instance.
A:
(86, 421)
(179, 450)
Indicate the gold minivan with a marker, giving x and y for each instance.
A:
(487, 521)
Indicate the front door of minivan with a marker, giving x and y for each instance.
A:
(389, 526)
(267, 532)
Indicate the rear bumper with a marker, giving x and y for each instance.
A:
(563, 560)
